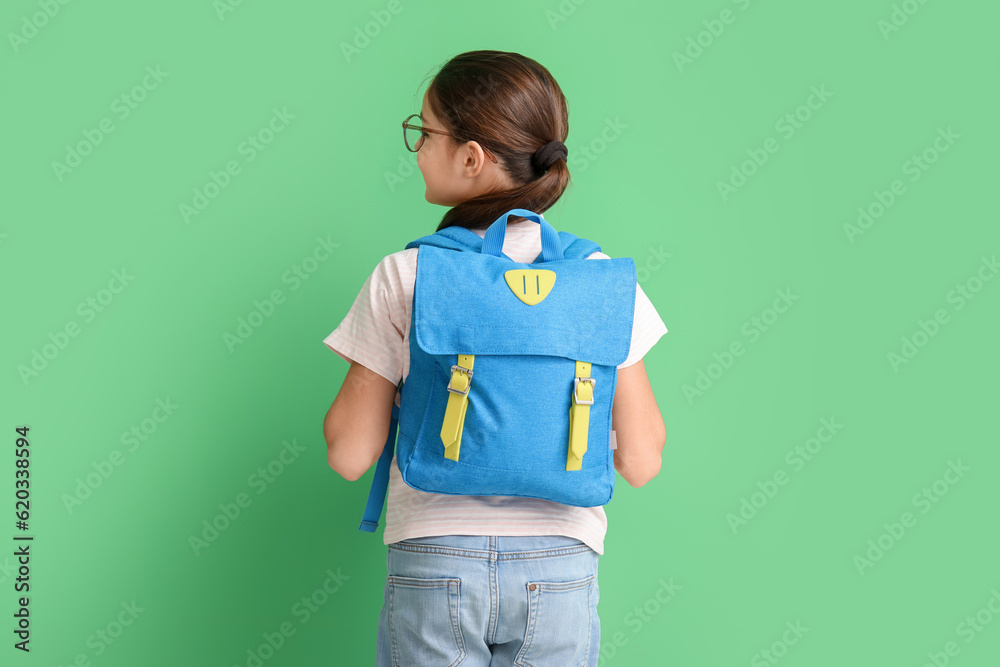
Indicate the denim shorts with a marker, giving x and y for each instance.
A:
(483, 601)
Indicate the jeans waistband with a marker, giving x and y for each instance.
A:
(505, 547)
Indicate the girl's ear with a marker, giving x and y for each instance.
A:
(473, 158)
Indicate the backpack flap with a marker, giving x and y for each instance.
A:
(464, 305)
(532, 335)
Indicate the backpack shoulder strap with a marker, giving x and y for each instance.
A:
(466, 240)
(380, 482)
(575, 247)
(454, 237)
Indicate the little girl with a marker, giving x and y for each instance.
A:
(483, 580)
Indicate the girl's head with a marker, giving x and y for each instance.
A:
(499, 103)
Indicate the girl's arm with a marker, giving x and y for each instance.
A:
(357, 424)
(638, 425)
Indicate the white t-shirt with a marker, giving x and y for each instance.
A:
(375, 334)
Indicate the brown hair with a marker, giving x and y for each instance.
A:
(512, 106)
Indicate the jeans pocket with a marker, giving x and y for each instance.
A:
(560, 617)
(424, 622)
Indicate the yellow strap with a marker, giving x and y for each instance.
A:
(458, 400)
(579, 416)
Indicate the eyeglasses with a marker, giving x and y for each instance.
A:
(414, 135)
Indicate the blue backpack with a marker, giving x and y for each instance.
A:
(513, 369)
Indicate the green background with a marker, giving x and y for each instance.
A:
(651, 185)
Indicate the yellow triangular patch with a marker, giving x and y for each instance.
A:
(530, 285)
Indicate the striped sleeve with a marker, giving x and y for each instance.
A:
(372, 333)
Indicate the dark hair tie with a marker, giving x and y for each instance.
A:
(545, 156)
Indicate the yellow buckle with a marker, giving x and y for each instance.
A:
(456, 371)
(576, 385)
